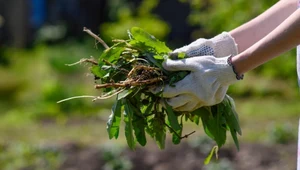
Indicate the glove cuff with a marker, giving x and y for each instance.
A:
(224, 45)
(226, 71)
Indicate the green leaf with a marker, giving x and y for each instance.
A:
(156, 129)
(157, 63)
(232, 119)
(181, 55)
(149, 127)
(208, 158)
(128, 116)
(158, 57)
(140, 46)
(139, 125)
(125, 93)
(138, 122)
(206, 116)
(234, 114)
(177, 76)
(193, 118)
(173, 120)
(202, 111)
(149, 40)
(196, 119)
(160, 133)
(213, 124)
(197, 114)
(172, 81)
(97, 71)
(112, 54)
(148, 109)
(113, 123)
(181, 75)
(134, 107)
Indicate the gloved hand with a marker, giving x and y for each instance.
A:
(206, 85)
(220, 46)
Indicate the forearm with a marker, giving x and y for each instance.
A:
(283, 38)
(254, 30)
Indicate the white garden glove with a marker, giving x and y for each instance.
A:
(205, 85)
(220, 46)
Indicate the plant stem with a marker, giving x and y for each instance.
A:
(96, 37)
(83, 61)
(187, 135)
(76, 97)
(181, 137)
(130, 83)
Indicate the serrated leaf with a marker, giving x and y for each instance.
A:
(173, 120)
(138, 122)
(149, 40)
(148, 109)
(136, 110)
(156, 129)
(139, 125)
(220, 126)
(149, 127)
(113, 123)
(160, 133)
(128, 116)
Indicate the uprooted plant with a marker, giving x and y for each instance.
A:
(127, 70)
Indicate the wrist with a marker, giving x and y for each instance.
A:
(238, 74)
(240, 63)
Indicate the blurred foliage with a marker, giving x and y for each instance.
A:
(202, 143)
(217, 16)
(23, 156)
(281, 133)
(222, 164)
(36, 79)
(124, 15)
(112, 155)
(283, 67)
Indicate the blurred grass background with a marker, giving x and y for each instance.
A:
(34, 75)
